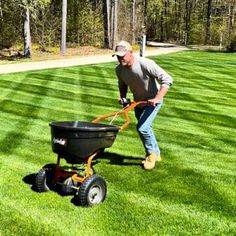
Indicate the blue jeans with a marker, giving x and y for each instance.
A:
(145, 117)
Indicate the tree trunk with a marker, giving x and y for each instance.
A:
(1, 13)
(133, 22)
(114, 23)
(188, 12)
(165, 25)
(145, 13)
(106, 23)
(1, 25)
(162, 27)
(63, 28)
(178, 17)
(27, 36)
(208, 22)
(231, 19)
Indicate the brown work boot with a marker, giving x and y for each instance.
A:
(150, 161)
(158, 158)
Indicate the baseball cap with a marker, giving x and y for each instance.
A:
(122, 48)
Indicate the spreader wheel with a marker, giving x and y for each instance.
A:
(44, 178)
(92, 191)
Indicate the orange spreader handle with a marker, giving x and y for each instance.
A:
(122, 112)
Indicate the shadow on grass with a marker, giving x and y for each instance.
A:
(30, 180)
(116, 159)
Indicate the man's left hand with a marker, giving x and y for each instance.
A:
(153, 102)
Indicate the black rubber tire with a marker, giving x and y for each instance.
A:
(92, 191)
(44, 178)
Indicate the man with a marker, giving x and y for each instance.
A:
(148, 82)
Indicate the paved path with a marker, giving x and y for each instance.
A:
(83, 60)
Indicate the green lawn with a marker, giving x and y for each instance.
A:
(191, 192)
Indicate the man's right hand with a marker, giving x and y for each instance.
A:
(124, 102)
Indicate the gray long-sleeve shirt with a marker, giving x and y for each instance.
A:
(142, 78)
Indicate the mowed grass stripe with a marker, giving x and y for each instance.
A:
(192, 191)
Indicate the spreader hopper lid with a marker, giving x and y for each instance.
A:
(83, 126)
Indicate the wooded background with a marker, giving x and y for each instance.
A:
(102, 23)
